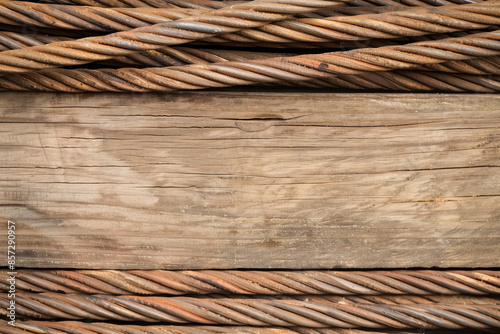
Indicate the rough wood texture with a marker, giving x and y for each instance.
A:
(251, 180)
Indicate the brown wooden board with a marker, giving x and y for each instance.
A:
(251, 180)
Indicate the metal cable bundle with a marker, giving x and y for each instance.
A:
(75, 327)
(85, 50)
(344, 283)
(329, 45)
(376, 34)
(295, 68)
(314, 312)
(307, 302)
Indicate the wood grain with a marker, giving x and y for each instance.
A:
(251, 180)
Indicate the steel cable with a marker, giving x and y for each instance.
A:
(215, 4)
(224, 74)
(410, 81)
(308, 312)
(75, 327)
(420, 282)
(144, 3)
(85, 50)
(410, 3)
(455, 81)
(176, 56)
(88, 18)
(386, 22)
(12, 40)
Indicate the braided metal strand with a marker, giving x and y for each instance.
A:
(85, 50)
(386, 22)
(88, 18)
(74, 327)
(165, 56)
(162, 56)
(213, 4)
(411, 3)
(484, 66)
(116, 19)
(297, 68)
(258, 282)
(309, 312)
(410, 81)
(175, 56)
(424, 81)
(11, 40)
(144, 3)
(394, 81)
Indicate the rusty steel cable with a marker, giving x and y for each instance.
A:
(410, 81)
(386, 23)
(415, 282)
(144, 3)
(85, 50)
(411, 3)
(216, 4)
(14, 40)
(480, 66)
(88, 18)
(75, 327)
(457, 81)
(116, 19)
(264, 311)
(192, 54)
(295, 68)
(176, 56)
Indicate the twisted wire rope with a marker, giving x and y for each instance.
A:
(75, 327)
(424, 282)
(455, 79)
(411, 81)
(198, 4)
(14, 40)
(314, 312)
(410, 3)
(88, 18)
(116, 19)
(176, 56)
(295, 68)
(85, 50)
(216, 4)
(386, 22)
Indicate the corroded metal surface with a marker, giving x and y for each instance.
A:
(288, 69)
(386, 25)
(384, 22)
(149, 282)
(216, 4)
(74, 327)
(85, 50)
(307, 311)
(379, 34)
(412, 81)
(144, 3)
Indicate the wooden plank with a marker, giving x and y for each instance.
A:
(251, 180)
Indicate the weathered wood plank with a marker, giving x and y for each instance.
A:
(251, 180)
